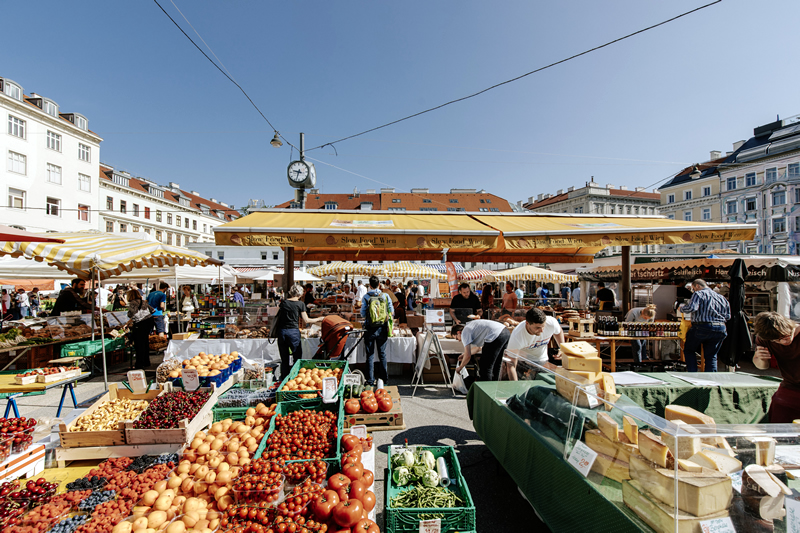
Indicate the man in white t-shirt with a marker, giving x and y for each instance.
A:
(361, 291)
(492, 337)
(532, 337)
(103, 295)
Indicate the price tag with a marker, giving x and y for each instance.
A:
(137, 381)
(792, 514)
(593, 401)
(736, 480)
(191, 381)
(352, 379)
(359, 431)
(329, 386)
(717, 525)
(430, 526)
(582, 458)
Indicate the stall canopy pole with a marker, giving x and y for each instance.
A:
(102, 337)
(626, 280)
(288, 270)
(177, 298)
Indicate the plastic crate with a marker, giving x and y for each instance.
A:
(238, 413)
(91, 348)
(294, 396)
(453, 519)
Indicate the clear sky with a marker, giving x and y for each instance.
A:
(631, 114)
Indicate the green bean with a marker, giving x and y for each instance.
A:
(421, 497)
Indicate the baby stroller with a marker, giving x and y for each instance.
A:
(333, 337)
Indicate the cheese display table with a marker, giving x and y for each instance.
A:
(398, 350)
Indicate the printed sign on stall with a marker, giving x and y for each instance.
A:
(434, 316)
(582, 458)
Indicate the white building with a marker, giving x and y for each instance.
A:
(172, 215)
(50, 178)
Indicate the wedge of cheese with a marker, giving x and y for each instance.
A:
(598, 442)
(758, 450)
(631, 429)
(591, 377)
(579, 349)
(682, 447)
(687, 415)
(608, 384)
(658, 515)
(717, 461)
(611, 468)
(689, 466)
(608, 426)
(699, 493)
(653, 448)
(585, 364)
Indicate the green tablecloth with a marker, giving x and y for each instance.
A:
(740, 399)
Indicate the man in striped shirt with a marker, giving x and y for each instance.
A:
(710, 311)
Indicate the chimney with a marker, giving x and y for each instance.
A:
(213, 200)
(531, 199)
(609, 185)
(195, 193)
(174, 186)
(369, 191)
(313, 191)
(570, 189)
(420, 191)
(559, 192)
(737, 145)
(223, 204)
(623, 187)
(714, 154)
(640, 189)
(540, 197)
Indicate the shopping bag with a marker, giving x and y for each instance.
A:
(459, 385)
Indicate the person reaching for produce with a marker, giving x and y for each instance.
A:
(778, 336)
(287, 327)
(489, 335)
(532, 336)
(640, 314)
(141, 322)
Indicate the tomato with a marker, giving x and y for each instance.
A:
(353, 470)
(368, 478)
(338, 529)
(380, 392)
(355, 490)
(353, 456)
(365, 525)
(352, 406)
(323, 506)
(367, 394)
(348, 513)
(336, 481)
(368, 500)
(351, 442)
(385, 404)
(369, 405)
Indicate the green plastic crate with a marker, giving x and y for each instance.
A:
(91, 348)
(294, 396)
(455, 519)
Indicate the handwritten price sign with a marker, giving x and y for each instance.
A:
(430, 526)
(582, 458)
(717, 525)
(792, 514)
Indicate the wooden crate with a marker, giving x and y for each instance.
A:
(182, 434)
(393, 420)
(581, 327)
(79, 439)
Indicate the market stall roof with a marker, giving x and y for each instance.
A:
(531, 273)
(7, 233)
(711, 268)
(299, 275)
(508, 237)
(344, 267)
(475, 275)
(406, 269)
(110, 255)
(186, 275)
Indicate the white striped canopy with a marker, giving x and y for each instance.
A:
(531, 273)
(83, 253)
(345, 267)
(475, 275)
(407, 269)
(441, 267)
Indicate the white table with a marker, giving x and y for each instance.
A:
(254, 349)
(398, 350)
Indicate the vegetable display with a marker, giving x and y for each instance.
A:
(417, 469)
(421, 497)
(369, 402)
(166, 411)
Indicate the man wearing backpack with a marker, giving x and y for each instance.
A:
(377, 310)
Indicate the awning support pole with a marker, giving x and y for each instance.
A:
(102, 337)
(626, 280)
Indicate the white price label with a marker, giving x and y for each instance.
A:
(593, 401)
(352, 379)
(582, 458)
(329, 386)
(434, 316)
(359, 431)
(137, 381)
(430, 526)
(792, 514)
(717, 525)
(191, 381)
(736, 480)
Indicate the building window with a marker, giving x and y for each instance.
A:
(194, 225)
(16, 199)
(397, 209)
(486, 209)
(779, 198)
(671, 216)
(204, 228)
(220, 255)
(186, 223)
(731, 207)
(123, 228)
(158, 216)
(495, 209)
(169, 238)
(123, 206)
(146, 212)
(778, 225)
(706, 213)
(331, 205)
(750, 204)
(771, 175)
(51, 109)
(453, 200)
(16, 127)
(178, 240)
(17, 163)
(275, 256)
(159, 237)
(779, 249)
(178, 220)
(12, 90)
(84, 183)
(53, 174)
(793, 170)
(109, 226)
(731, 183)
(397, 200)
(670, 200)
(169, 218)
(81, 123)
(136, 210)
(84, 152)
(134, 229)
(797, 196)
(54, 141)
(53, 207)
(706, 191)
(687, 195)
(483, 201)
(579, 209)
(488, 200)
(264, 256)
(147, 231)
(426, 201)
(109, 203)
(84, 213)
(750, 179)
(687, 216)
(453, 209)
(428, 209)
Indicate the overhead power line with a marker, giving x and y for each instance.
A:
(473, 95)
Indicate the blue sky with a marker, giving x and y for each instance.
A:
(630, 114)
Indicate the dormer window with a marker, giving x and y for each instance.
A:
(119, 179)
(12, 89)
(205, 210)
(50, 107)
(331, 205)
(81, 122)
(185, 202)
(155, 191)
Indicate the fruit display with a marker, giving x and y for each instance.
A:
(207, 365)
(70, 524)
(96, 498)
(11, 511)
(35, 492)
(19, 433)
(303, 435)
(310, 379)
(109, 414)
(87, 483)
(370, 402)
(167, 410)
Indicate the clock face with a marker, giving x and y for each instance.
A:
(298, 172)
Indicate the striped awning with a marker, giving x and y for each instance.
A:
(440, 267)
(532, 273)
(83, 253)
(475, 275)
(407, 269)
(338, 268)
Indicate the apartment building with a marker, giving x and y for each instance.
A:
(50, 179)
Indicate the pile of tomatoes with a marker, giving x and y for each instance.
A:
(304, 435)
(370, 402)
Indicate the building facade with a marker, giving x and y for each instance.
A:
(50, 179)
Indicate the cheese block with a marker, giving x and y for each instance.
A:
(579, 349)
(687, 415)
(766, 507)
(608, 426)
(611, 399)
(592, 377)
(631, 429)
(714, 449)
(566, 384)
(658, 515)
(756, 480)
(689, 466)
(611, 468)
(653, 448)
(682, 447)
(765, 450)
(585, 364)
(717, 461)
(699, 493)
(608, 383)
(598, 442)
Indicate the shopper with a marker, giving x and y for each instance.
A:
(119, 301)
(487, 301)
(576, 297)
(361, 290)
(72, 298)
(400, 306)
(777, 336)
(606, 299)
(465, 304)
(640, 314)
(520, 295)
(347, 293)
(238, 298)
(23, 303)
(489, 335)
(188, 299)
(566, 295)
(287, 328)
(509, 299)
(141, 320)
(709, 311)
(33, 297)
(158, 301)
(411, 297)
(6, 300)
(377, 311)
